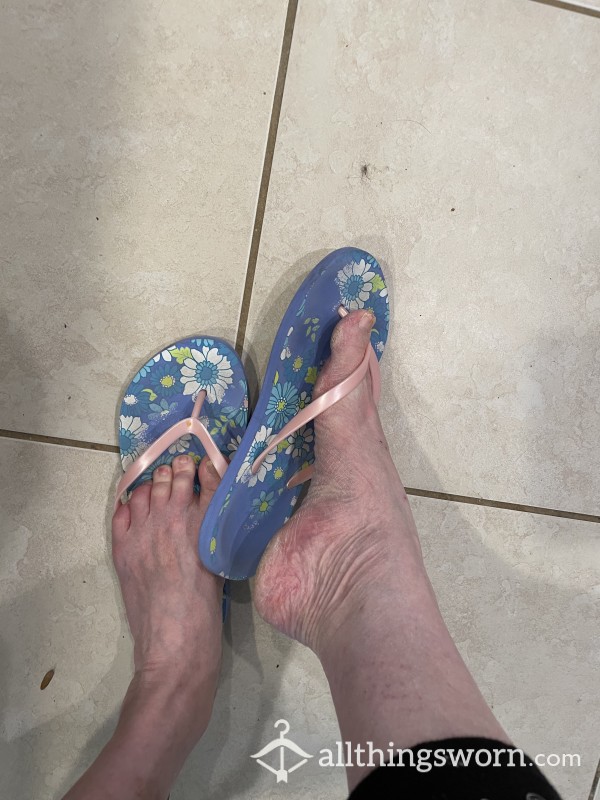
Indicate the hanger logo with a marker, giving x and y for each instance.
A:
(284, 745)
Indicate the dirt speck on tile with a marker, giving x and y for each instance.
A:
(46, 679)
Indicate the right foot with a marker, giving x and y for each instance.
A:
(355, 529)
(345, 576)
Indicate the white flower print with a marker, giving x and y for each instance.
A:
(182, 445)
(354, 281)
(208, 370)
(233, 445)
(303, 400)
(379, 347)
(260, 443)
(286, 352)
(131, 439)
(299, 442)
(130, 399)
(383, 292)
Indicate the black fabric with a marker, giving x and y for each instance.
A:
(449, 782)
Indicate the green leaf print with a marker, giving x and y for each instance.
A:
(377, 284)
(311, 375)
(181, 353)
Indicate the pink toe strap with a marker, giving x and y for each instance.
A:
(321, 404)
(191, 425)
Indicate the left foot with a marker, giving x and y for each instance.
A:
(355, 529)
(173, 603)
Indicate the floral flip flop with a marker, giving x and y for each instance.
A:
(274, 457)
(191, 398)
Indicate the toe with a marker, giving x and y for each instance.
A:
(349, 342)
(182, 490)
(209, 481)
(162, 478)
(121, 520)
(139, 502)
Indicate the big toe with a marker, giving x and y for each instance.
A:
(349, 341)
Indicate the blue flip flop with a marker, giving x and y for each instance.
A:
(261, 487)
(191, 398)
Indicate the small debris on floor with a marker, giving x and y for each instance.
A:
(46, 679)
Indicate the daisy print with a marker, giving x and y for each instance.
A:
(209, 370)
(260, 443)
(286, 352)
(182, 444)
(299, 442)
(161, 410)
(131, 439)
(303, 400)
(282, 405)
(354, 282)
(164, 379)
(144, 370)
(264, 502)
(233, 445)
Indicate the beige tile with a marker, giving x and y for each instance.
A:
(59, 609)
(479, 130)
(132, 140)
(519, 593)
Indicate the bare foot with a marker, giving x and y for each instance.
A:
(355, 528)
(173, 607)
(345, 576)
(173, 603)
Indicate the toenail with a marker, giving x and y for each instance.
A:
(367, 321)
(182, 461)
(163, 472)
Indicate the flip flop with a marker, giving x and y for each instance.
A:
(274, 457)
(191, 398)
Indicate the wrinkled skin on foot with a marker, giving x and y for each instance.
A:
(355, 529)
(173, 603)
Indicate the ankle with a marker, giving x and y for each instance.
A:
(383, 591)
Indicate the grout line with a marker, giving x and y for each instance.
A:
(594, 793)
(480, 501)
(261, 204)
(57, 440)
(454, 498)
(578, 8)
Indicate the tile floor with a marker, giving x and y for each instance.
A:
(457, 141)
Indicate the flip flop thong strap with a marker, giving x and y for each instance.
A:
(191, 425)
(320, 405)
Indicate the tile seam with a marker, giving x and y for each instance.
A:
(432, 495)
(265, 179)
